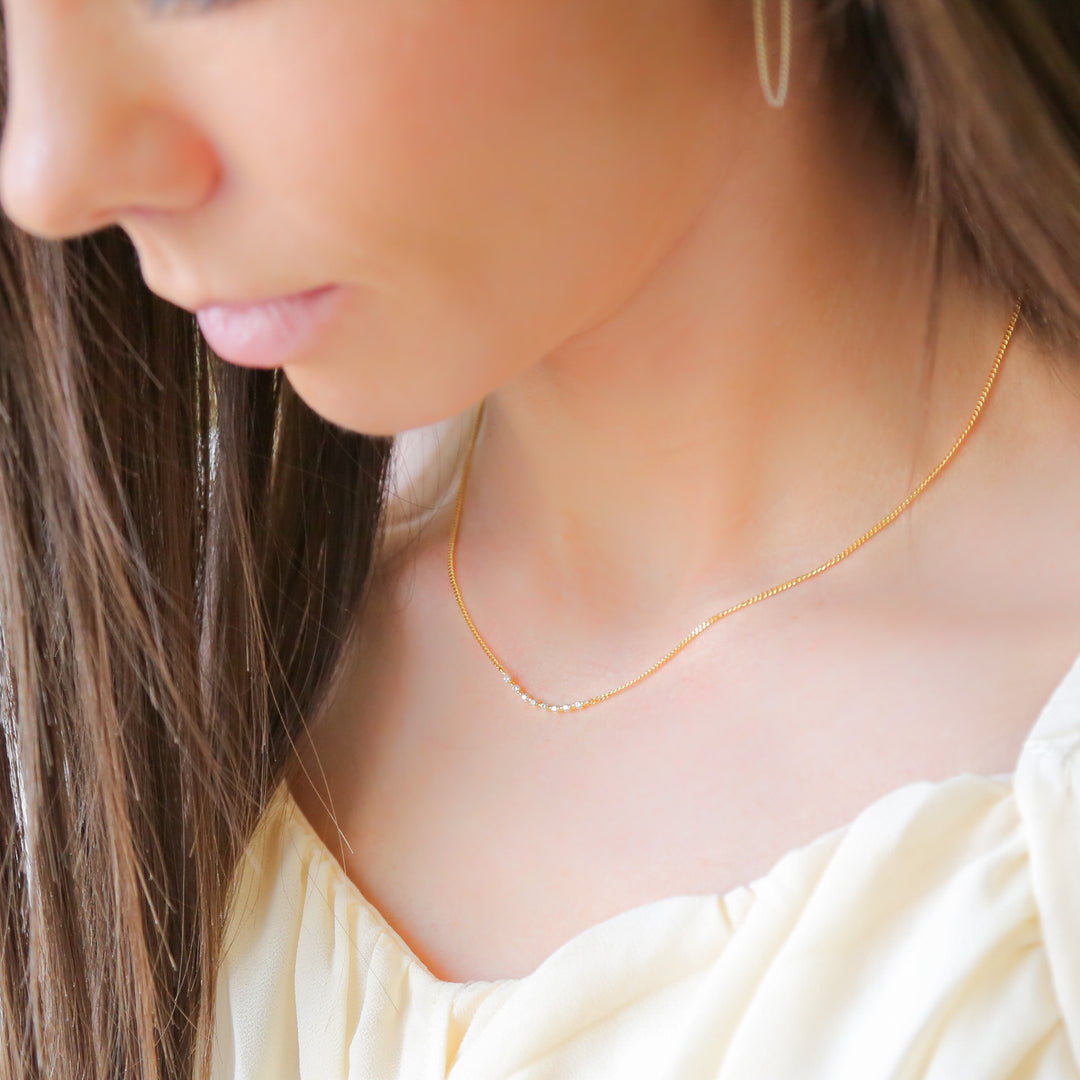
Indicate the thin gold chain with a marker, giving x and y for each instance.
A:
(528, 698)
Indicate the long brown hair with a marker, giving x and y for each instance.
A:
(184, 546)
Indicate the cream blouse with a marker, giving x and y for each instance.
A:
(936, 936)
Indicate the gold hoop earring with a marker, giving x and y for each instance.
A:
(774, 98)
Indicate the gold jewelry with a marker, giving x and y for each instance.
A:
(585, 703)
(775, 98)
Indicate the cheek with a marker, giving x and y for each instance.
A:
(450, 142)
(487, 184)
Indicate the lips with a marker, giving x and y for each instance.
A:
(269, 333)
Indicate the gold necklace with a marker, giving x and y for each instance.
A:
(529, 699)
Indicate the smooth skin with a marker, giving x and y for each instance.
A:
(698, 323)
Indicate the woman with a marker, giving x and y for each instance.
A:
(740, 739)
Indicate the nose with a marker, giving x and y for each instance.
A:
(90, 133)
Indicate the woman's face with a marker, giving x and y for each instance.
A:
(481, 179)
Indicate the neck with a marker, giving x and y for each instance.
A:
(761, 399)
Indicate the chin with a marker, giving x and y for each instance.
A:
(367, 410)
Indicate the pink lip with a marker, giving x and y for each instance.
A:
(266, 334)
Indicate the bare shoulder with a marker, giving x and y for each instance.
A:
(1010, 526)
(1032, 429)
(1040, 392)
